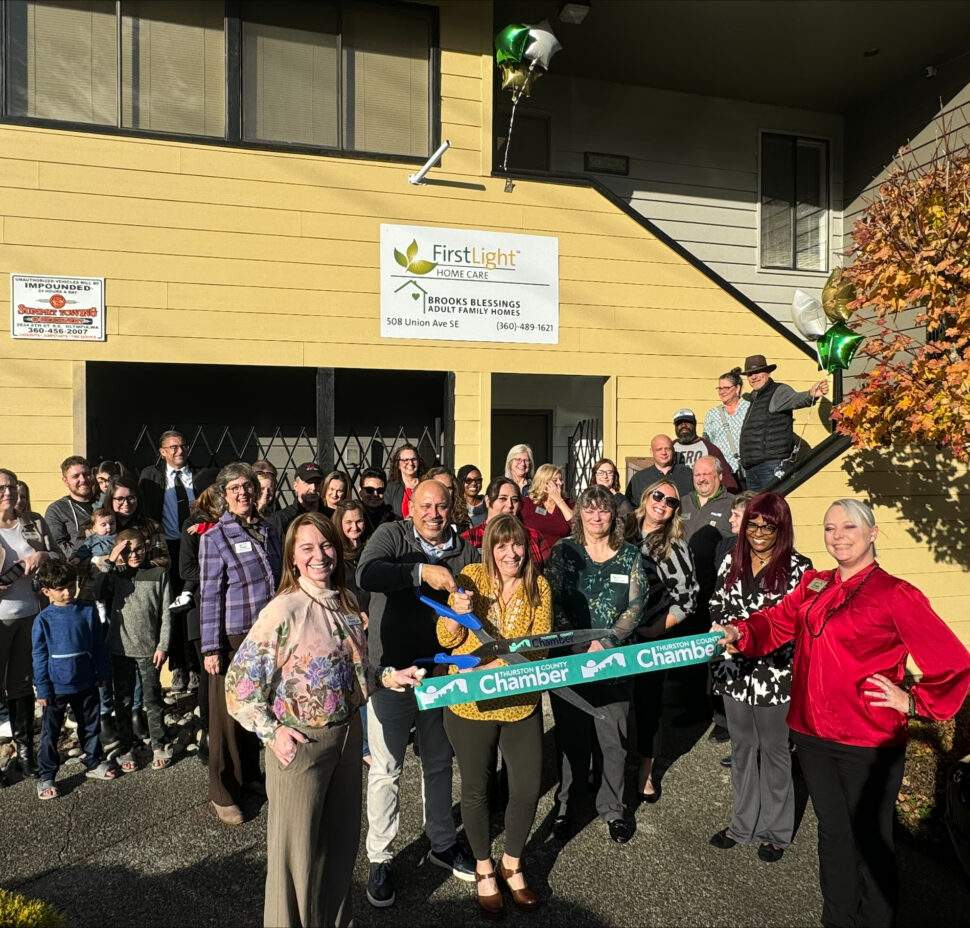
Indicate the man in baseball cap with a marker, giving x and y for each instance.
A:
(306, 486)
(767, 446)
(690, 448)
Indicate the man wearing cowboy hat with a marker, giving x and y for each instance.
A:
(767, 445)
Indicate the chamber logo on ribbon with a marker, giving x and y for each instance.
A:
(431, 693)
(591, 668)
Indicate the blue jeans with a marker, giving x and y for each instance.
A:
(85, 708)
(760, 476)
(363, 722)
(107, 700)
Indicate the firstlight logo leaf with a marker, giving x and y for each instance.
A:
(408, 262)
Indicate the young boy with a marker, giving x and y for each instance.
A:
(70, 660)
(139, 624)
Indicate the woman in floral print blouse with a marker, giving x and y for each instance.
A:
(297, 681)
(597, 581)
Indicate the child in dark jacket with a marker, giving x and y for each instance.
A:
(70, 660)
(136, 593)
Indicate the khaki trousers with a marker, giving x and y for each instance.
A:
(313, 829)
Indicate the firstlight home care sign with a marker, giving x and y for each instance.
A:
(57, 308)
(469, 285)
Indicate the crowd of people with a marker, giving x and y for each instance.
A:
(299, 630)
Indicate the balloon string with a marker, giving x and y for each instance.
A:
(516, 96)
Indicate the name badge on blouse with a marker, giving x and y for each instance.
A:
(243, 547)
(353, 621)
(619, 578)
(816, 586)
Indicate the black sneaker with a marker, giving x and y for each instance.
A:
(621, 830)
(770, 853)
(180, 682)
(380, 885)
(722, 841)
(456, 860)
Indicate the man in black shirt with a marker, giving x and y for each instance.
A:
(664, 466)
(66, 517)
(306, 485)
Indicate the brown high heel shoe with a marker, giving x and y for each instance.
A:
(525, 899)
(492, 906)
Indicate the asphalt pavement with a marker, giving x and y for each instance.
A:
(145, 850)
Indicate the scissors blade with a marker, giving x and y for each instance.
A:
(565, 692)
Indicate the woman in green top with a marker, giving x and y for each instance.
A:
(597, 581)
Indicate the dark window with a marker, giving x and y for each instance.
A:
(794, 203)
(530, 141)
(355, 76)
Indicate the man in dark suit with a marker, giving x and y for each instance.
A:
(167, 490)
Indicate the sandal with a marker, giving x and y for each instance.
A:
(128, 763)
(491, 906)
(47, 790)
(104, 771)
(161, 758)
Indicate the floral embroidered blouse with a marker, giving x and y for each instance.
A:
(303, 664)
(514, 619)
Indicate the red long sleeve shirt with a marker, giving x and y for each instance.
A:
(550, 526)
(846, 631)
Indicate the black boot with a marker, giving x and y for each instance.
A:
(203, 754)
(22, 723)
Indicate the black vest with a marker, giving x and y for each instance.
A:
(766, 436)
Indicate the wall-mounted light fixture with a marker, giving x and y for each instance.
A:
(573, 13)
(419, 176)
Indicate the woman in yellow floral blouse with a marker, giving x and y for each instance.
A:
(510, 599)
(298, 681)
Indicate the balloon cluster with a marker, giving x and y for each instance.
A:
(523, 53)
(825, 322)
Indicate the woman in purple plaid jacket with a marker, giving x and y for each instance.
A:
(239, 569)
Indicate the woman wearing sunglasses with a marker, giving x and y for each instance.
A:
(762, 568)
(659, 528)
(470, 491)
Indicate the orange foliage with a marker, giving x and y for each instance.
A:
(911, 252)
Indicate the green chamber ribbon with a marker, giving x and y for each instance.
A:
(569, 670)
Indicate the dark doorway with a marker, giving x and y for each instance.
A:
(532, 427)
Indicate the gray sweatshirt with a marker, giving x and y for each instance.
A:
(66, 517)
(138, 608)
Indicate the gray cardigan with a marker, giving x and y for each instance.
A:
(400, 628)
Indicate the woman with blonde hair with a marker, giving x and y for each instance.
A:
(659, 528)
(509, 597)
(545, 509)
(298, 681)
(519, 465)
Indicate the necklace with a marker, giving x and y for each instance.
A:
(842, 605)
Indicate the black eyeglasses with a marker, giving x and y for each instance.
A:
(758, 529)
(658, 496)
(473, 480)
(372, 491)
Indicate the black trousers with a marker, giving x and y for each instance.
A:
(123, 673)
(521, 745)
(853, 791)
(85, 706)
(181, 654)
(648, 703)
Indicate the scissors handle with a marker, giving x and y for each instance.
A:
(462, 661)
(465, 619)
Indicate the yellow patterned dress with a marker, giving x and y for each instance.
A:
(515, 619)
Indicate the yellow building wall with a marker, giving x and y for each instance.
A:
(222, 256)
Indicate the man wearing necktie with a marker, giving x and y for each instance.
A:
(167, 491)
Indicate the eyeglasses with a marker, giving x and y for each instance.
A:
(173, 447)
(726, 389)
(124, 500)
(756, 528)
(408, 460)
(658, 496)
(141, 549)
(605, 472)
(372, 491)
(7, 488)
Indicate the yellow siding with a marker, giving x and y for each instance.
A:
(219, 256)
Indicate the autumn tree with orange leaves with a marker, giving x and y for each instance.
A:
(910, 266)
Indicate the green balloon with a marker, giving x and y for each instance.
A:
(837, 347)
(510, 44)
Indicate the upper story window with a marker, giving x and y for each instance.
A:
(333, 76)
(794, 197)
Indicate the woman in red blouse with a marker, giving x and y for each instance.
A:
(545, 510)
(854, 628)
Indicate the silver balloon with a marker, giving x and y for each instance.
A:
(542, 45)
(808, 316)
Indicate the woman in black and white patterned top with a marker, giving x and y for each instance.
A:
(760, 571)
(657, 526)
